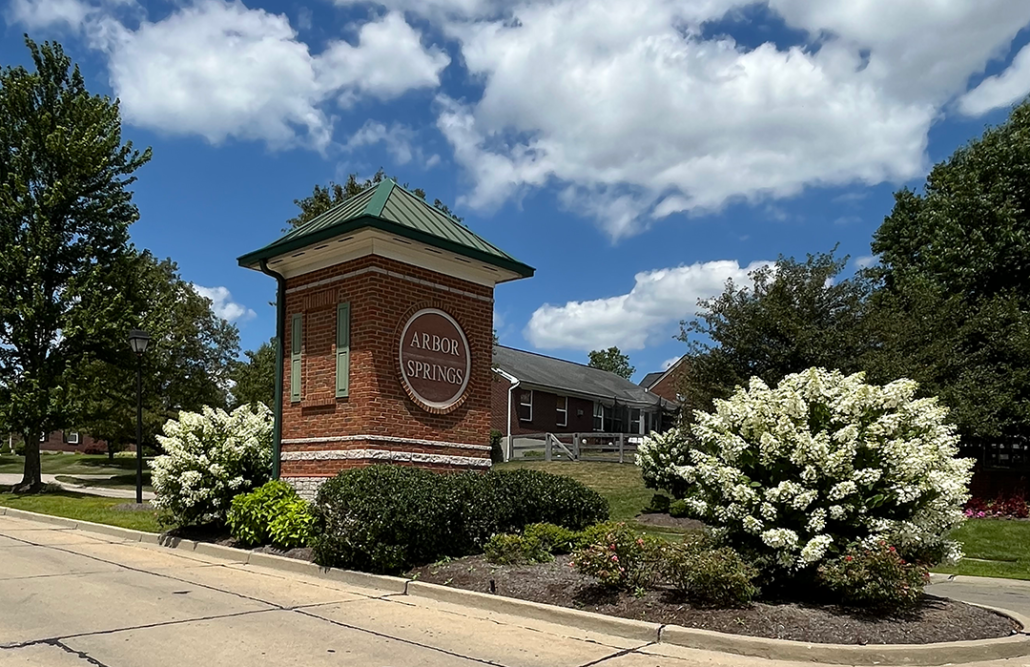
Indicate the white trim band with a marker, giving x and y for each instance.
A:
(385, 455)
(392, 274)
(383, 438)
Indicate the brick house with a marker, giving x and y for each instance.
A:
(385, 323)
(63, 441)
(667, 383)
(534, 393)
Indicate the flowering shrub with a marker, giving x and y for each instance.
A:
(1002, 507)
(209, 458)
(875, 577)
(622, 559)
(709, 574)
(795, 474)
(658, 457)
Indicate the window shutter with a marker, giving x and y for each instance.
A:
(296, 338)
(342, 350)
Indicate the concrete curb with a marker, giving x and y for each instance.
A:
(927, 655)
(582, 620)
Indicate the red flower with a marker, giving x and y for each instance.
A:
(893, 550)
(848, 558)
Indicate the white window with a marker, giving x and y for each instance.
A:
(598, 417)
(634, 420)
(526, 406)
(563, 411)
(72, 437)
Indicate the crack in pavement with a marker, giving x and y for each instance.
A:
(618, 654)
(82, 655)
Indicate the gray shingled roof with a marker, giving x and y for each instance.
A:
(650, 379)
(548, 372)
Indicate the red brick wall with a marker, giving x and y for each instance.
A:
(378, 405)
(87, 445)
(669, 386)
(545, 412)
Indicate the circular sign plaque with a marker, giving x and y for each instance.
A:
(434, 360)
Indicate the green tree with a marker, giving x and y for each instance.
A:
(613, 361)
(325, 198)
(186, 366)
(793, 315)
(254, 379)
(65, 209)
(955, 265)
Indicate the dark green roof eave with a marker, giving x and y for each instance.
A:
(276, 249)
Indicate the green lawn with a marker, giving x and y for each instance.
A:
(993, 548)
(126, 481)
(72, 464)
(85, 508)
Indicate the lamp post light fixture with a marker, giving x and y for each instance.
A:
(138, 342)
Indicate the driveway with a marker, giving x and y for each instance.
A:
(10, 479)
(73, 599)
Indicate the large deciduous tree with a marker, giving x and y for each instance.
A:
(792, 316)
(186, 366)
(65, 209)
(613, 361)
(254, 379)
(955, 265)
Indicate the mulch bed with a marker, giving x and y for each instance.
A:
(660, 520)
(936, 620)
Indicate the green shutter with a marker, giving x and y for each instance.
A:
(296, 338)
(342, 350)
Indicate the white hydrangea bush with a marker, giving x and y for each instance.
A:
(798, 473)
(209, 458)
(660, 454)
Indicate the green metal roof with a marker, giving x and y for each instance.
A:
(390, 208)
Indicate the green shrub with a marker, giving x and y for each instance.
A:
(271, 514)
(506, 549)
(294, 524)
(496, 452)
(622, 559)
(594, 534)
(554, 539)
(659, 504)
(679, 509)
(709, 574)
(387, 518)
(876, 577)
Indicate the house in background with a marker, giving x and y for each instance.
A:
(667, 383)
(61, 441)
(534, 394)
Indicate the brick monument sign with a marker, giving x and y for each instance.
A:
(385, 332)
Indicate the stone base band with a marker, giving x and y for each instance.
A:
(386, 455)
(384, 439)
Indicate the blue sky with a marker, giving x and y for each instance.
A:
(636, 153)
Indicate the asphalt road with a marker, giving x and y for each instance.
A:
(74, 599)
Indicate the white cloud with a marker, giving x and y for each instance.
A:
(640, 117)
(667, 364)
(1001, 90)
(865, 261)
(223, 305)
(398, 139)
(219, 69)
(38, 14)
(658, 299)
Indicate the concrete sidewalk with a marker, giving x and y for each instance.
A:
(72, 598)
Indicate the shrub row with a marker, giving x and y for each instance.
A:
(1002, 507)
(388, 518)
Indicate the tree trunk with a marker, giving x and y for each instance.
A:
(110, 450)
(31, 481)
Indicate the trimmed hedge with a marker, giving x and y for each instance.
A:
(388, 518)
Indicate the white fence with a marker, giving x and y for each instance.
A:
(606, 447)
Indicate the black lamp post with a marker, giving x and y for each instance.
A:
(138, 342)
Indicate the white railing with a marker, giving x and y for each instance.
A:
(606, 447)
